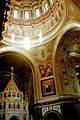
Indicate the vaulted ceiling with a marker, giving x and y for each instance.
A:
(22, 70)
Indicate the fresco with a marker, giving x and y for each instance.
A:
(45, 70)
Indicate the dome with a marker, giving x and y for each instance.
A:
(34, 22)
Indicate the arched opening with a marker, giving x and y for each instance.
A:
(52, 115)
(67, 59)
(14, 118)
(22, 71)
(23, 75)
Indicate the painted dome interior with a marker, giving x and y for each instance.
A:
(36, 21)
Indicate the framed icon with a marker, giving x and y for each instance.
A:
(48, 87)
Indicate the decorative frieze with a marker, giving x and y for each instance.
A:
(51, 107)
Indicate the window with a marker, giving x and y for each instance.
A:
(9, 106)
(24, 107)
(45, 7)
(37, 12)
(18, 106)
(15, 14)
(17, 95)
(26, 14)
(4, 95)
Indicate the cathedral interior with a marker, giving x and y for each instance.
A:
(39, 60)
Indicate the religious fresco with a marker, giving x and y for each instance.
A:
(42, 53)
(45, 70)
(34, 31)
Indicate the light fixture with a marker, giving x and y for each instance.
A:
(26, 43)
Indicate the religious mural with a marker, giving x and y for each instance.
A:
(45, 70)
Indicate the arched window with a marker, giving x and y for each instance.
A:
(17, 95)
(4, 95)
(15, 14)
(46, 7)
(18, 106)
(37, 12)
(26, 15)
(9, 106)
(24, 107)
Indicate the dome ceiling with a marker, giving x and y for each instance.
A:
(39, 22)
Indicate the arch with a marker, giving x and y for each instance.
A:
(37, 11)
(46, 7)
(20, 51)
(52, 115)
(59, 41)
(64, 48)
(14, 118)
(66, 28)
(25, 56)
(27, 59)
(26, 14)
(15, 13)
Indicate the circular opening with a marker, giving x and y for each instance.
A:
(52, 115)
